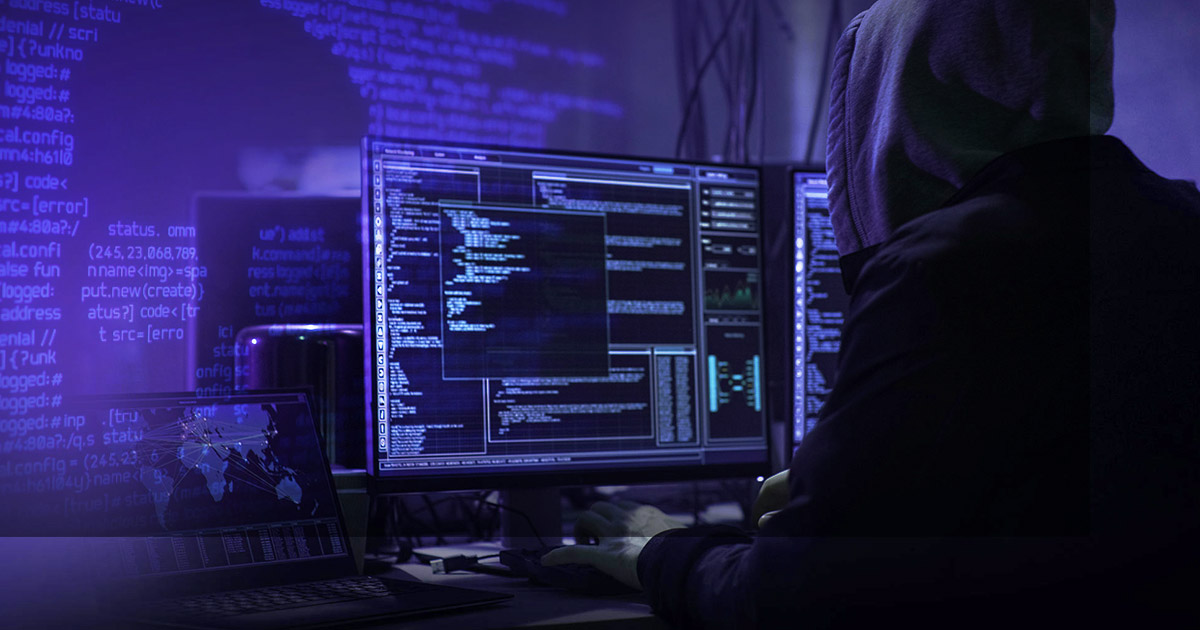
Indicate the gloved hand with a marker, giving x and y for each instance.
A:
(622, 529)
(772, 497)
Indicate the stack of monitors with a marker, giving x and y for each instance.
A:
(560, 318)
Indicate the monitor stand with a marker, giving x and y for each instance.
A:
(543, 506)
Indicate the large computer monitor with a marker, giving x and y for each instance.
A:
(820, 300)
(545, 318)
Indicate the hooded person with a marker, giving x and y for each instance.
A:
(1013, 423)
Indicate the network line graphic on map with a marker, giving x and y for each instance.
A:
(231, 449)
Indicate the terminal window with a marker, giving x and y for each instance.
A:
(821, 302)
(552, 311)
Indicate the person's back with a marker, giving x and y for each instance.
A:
(965, 147)
(1030, 394)
(1012, 429)
(1145, 384)
(960, 406)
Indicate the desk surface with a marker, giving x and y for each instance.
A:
(532, 606)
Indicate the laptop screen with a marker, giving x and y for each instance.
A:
(187, 485)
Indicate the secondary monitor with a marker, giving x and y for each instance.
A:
(560, 318)
(820, 301)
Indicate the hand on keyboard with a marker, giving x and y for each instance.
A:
(622, 518)
(580, 578)
(622, 530)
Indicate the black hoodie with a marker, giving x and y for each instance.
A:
(1012, 435)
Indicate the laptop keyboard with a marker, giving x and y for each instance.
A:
(283, 597)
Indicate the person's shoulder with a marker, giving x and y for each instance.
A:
(977, 233)
(1146, 198)
(1125, 192)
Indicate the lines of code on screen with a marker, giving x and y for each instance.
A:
(821, 301)
(542, 310)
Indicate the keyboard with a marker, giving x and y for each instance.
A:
(228, 603)
(580, 578)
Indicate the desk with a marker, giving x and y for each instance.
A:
(532, 606)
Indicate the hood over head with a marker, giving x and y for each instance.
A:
(926, 92)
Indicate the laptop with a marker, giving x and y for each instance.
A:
(237, 521)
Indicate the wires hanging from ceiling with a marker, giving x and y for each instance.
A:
(691, 103)
(734, 52)
(832, 33)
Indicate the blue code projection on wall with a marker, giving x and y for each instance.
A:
(818, 287)
(305, 272)
(425, 71)
(51, 277)
(541, 310)
(121, 273)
